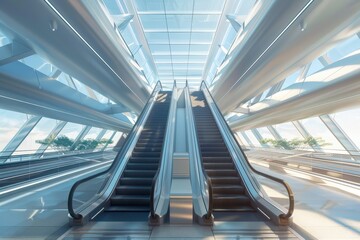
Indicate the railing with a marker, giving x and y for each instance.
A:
(165, 166)
(196, 155)
(113, 173)
(45, 156)
(284, 216)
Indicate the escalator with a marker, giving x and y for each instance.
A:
(229, 194)
(128, 189)
(230, 189)
(132, 192)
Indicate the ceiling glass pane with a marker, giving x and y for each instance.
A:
(153, 22)
(149, 6)
(179, 6)
(214, 6)
(157, 38)
(205, 22)
(204, 37)
(179, 38)
(199, 49)
(179, 22)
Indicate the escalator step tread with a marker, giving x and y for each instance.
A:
(128, 209)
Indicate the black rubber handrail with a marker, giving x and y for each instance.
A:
(152, 192)
(78, 216)
(207, 178)
(281, 181)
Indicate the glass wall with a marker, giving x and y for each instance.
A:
(10, 123)
(35, 138)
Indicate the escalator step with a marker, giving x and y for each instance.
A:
(228, 190)
(226, 180)
(133, 190)
(230, 201)
(130, 200)
(142, 166)
(139, 173)
(219, 165)
(144, 160)
(125, 208)
(222, 173)
(136, 181)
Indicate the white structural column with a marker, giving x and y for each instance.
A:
(53, 134)
(19, 138)
(341, 136)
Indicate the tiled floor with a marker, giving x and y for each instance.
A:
(322, 211)
(138, 230)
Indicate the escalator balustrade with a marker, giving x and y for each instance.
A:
(229, 194)
(132, 193)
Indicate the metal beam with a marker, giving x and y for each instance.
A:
(24, 89)
(122, 20)
(84, 45)
(341, 90)
(341, 136)
(14, 51)
(274, 47)
(19, 137)
(274, 89)
(52, 135)
(237, 22)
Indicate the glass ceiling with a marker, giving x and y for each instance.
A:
(179, 35)
(178, 39)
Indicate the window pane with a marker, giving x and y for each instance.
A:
(70, 131)
(344, 48)
(349, 122)
(265, 133)
(115, 139)
(93, 133)
(10, 123)
(38, 63)
(243, 140)
(253, 139)
(317, 129)
(288, 131)
(315, 66)
(40, 132)
(291, 79)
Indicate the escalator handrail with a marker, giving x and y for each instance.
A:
(208, 179)
(163, 158)
(116, 159)
(281, 181)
